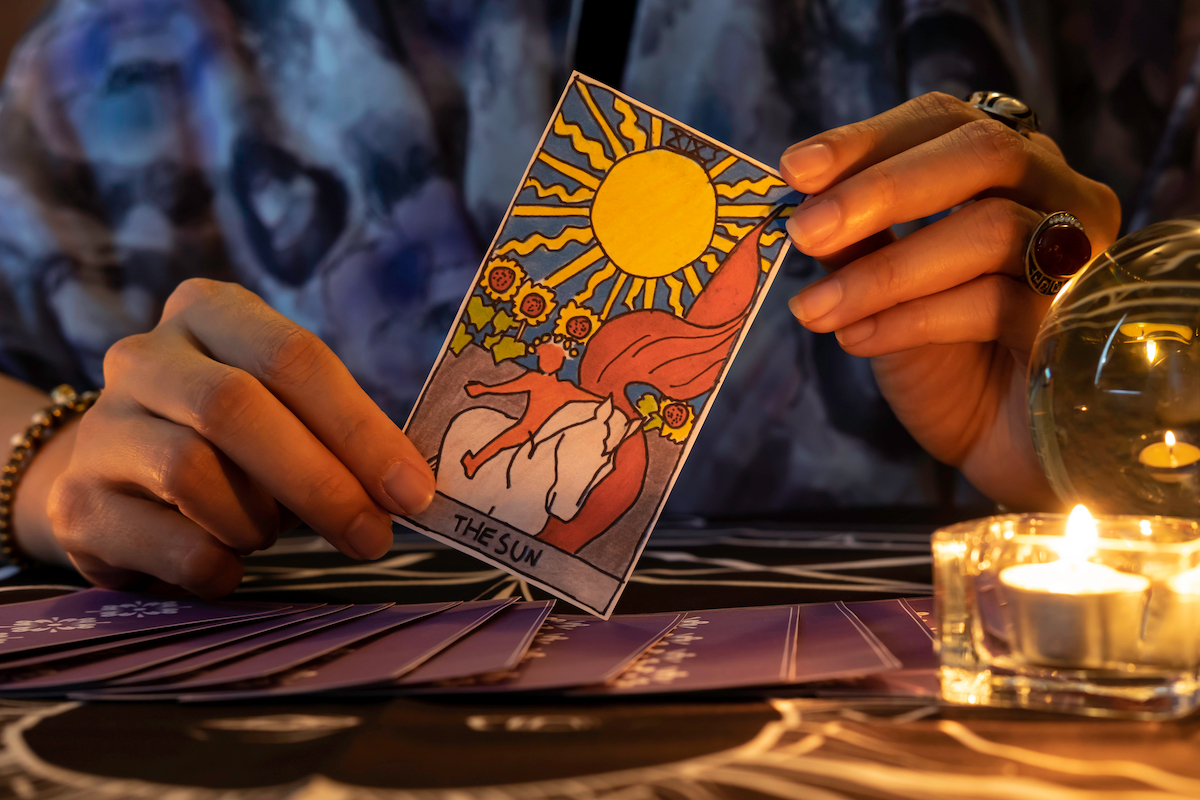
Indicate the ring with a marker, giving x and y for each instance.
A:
(1008, 109)
(1057, 249)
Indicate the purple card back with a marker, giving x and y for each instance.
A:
(573, 651)
(316, 644)
(103, 613)
(923, 608)
(499, 645)
(117, 662)
(717, 649)
(384, 658)
(900, 629)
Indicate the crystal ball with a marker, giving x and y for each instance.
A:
(1114, 380)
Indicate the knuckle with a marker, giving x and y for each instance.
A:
(990, 304)
(888, 276)
(222, 403)
(998, 226)
(189, 293)
(123, 355)
(69, 506)
(939, 104)
(994, 142)
(289, 354)
(184, 466)
(884, 189)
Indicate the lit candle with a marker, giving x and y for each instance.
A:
(1170, 461)
(1172, 631)
(1073, 612)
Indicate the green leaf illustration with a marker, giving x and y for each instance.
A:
(504, 347)
(461, 339)
(479, 313)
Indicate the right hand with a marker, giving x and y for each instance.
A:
(212, 425)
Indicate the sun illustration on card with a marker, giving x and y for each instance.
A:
(603, 319)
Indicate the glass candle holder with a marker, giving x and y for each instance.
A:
(1098, 617)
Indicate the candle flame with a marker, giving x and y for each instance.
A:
(1169, 439)
(1082, 536)
(1151, 351)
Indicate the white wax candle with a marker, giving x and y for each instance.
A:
(1172, 635)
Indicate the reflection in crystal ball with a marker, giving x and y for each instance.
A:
(1114, 382)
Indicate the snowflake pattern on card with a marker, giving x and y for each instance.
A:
(660, 665)
(139, 609)
(52, 625)
(554, 629)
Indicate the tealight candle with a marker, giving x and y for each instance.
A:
(1072, 612)
(1172, 631)
(1169, 459)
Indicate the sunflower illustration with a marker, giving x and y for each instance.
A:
(533, 303)
(501, 278)
(673, 419)
(577, 322)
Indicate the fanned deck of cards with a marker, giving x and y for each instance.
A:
(105, 645)
(583, 361)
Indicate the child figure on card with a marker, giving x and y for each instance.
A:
(546, 393)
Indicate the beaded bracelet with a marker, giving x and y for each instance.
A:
(67, 405)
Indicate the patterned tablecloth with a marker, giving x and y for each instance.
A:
(714, 746)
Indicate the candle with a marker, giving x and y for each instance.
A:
(1073, 612)
(1170, 461)
(1172, 631)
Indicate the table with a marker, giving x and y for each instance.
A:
(726, 746)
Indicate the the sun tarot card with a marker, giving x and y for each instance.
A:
(603, 319)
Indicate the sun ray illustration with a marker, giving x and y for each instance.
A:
(635, 289)
(575, 266)
(560, 191)
(740, 211)
(674, 294)
(523, 247)
(759, 187)
(735, 230)
(653, 212)
(582, 144)
(614, 294)
(722, 165)
(618, 149)
(550, 211)
(629, 127)
(570, 170)
(597, 278)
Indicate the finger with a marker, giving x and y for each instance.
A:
(236, 413)
(815, 164)
(985, 237)
(146, 538)
(980, 158)
(176, 465)
(240, 330)
(847, 255)
(989, 308)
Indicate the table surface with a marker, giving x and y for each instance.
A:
(686, 748)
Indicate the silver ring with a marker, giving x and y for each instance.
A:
(1060, 241)
(1012, 112)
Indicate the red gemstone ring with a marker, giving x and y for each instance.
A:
(1057, 249)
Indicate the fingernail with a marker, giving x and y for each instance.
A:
(369, 536)
(409, 485)
(858, 332)
(806, 162)
(816, 300)
(810, 225)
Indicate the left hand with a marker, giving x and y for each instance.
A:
(944, 313)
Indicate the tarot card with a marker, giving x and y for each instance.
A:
(310, 647)
(573, 651)
(110, 663)
(52, 655)
(102, 613)
(303, 625)
(499, 645)
(900, 627)
(604, 317)
(383, 658)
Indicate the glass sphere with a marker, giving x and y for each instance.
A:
(1114, 382)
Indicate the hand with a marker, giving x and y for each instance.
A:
(945, 312)
(207, 426)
